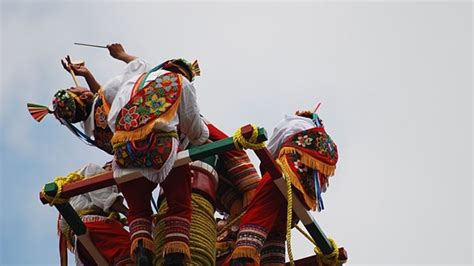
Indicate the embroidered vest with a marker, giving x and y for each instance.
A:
(308, 158)
(102, 133)
(157, 102)
(135, 143)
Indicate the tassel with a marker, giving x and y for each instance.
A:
(177, 247)
(311, 162)
(317, 191)
(195, 68)
(147, 244)
(37, 111)
(295, 181)
(246, 252)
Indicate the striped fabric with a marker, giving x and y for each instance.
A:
(252, 235)
(176, 229)
(273, 252)
(140, 228)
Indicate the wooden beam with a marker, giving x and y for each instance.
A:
(184, 157)
(77, 226)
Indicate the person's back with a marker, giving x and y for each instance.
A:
(99, 212)
(307, 157)
(145, 117)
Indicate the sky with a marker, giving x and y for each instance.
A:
(394, 79)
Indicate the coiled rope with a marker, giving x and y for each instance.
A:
(202, 239)
(241, 142)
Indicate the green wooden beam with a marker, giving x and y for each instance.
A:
(184, 157)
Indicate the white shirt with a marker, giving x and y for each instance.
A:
(188, 117)
(110, 89)
(287, 127)
(102, 198)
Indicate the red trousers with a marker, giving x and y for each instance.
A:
(112, 241)
(138, 194)
(263, 226)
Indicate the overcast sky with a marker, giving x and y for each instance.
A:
(394, 80)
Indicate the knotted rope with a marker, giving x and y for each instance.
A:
(60, 181)
(241, 142)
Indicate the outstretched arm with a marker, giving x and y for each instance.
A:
(83, 71)
(116, 51)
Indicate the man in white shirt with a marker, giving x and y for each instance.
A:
(99, 212)
(145, 117)
(144, 137)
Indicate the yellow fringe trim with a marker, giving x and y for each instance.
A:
(246, 252)
(288, 172)
(143, 131)
(177, 247)
(147, 243)
(310, 161)
(106, 104)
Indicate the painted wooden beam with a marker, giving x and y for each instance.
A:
(184, 157)
(78, 227)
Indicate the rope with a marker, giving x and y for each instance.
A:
(289, 214)
(60, 182)
(230, 224)
(202, 235)
(330, 259)
(310, 239)
(241, 142)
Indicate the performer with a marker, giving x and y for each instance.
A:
(145, 131)
(144, 118)
(99, 212)
(307, 156)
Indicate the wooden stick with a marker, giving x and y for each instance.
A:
(74, 77)
(317, 107)
(90, 45)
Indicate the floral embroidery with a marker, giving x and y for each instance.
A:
(150, 152)
(101, 117)
(102, 132)
(149, 103)
(304, 141)
(128, 118)
(167, 82)
(305, 174)
(157, 104)
(317, 141)
(300, 166)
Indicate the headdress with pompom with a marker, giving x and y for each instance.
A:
(64, 109)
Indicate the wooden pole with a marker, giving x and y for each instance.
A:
(106, 179)
(90, 45)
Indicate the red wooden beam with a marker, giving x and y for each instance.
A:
(102, 180)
